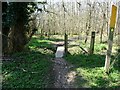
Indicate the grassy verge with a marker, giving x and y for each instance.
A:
(90, 68)
(30, 69)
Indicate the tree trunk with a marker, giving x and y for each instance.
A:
(101, 34)
(32, 33)
(5, 32)
(17, 37)
(88, 25)
(86, 37)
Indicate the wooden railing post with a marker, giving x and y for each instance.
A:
(92, 42)
(66, 43)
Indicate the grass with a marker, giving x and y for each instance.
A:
(33, 68)
(90, 68)
(30, 69)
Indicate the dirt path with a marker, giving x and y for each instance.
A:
(64, 78)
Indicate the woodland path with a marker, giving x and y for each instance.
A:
(64, 78)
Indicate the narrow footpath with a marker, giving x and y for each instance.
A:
(64, 78)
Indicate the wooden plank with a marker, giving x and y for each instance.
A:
(60, 51)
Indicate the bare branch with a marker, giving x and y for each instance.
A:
(63, 5)
(48, 10)
(79, 4)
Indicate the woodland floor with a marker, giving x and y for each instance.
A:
(38, 67)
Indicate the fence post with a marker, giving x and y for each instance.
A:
(110, 38)
(118, 26)
(92, 42)
(66, 43)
